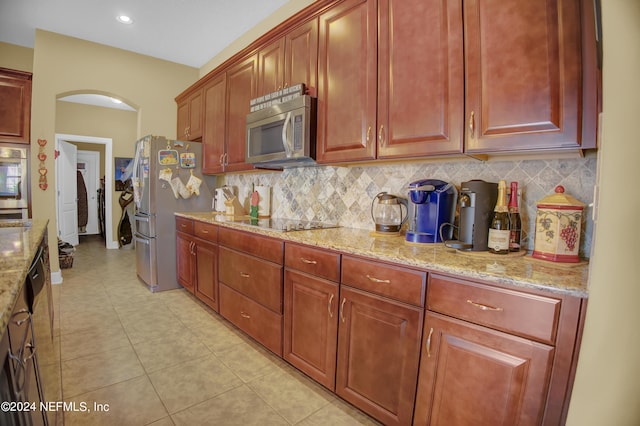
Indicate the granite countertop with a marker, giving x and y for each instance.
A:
(516, 270)
(19, 241)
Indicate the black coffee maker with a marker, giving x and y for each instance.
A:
(477, 200)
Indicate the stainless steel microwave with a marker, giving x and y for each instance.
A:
(282, 135)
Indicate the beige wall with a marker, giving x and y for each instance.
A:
(607, 386)
(64, 65)
(86, 120)
(16, 57)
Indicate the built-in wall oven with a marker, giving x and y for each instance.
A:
(14, 183)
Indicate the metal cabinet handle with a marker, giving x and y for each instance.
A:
(205, 231)
(244, 275)
(484, 307)
(245, 315)
(429, 343)
(368, 134)
(472, 124)
(378, 280)
(342, 309)
(381, 138)
(308, 261)
(329, 306)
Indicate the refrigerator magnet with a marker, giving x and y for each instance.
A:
(187, 160)
(167, 157)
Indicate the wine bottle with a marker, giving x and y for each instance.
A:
(516, 221)
(499, 232)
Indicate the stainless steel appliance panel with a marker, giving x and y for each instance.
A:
(145, 224)
(146, 255)
(14, 178)
(156, 205)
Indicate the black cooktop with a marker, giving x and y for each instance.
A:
(287, 225)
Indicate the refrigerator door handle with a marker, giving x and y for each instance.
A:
(141, 240)
(141, 218)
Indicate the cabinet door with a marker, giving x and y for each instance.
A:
(420, 80)
(471, 375)
(213, 133)
(206, 282)
(241, 88)
(347, 70)
(311, 325)
(195, 115)
(301, 57)
(378, 354)
(15, 106)
(185, 260)
(523, 75)
(182, 128)
(271, 67)
(190, 112)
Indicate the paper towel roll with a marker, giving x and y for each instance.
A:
(264, 204)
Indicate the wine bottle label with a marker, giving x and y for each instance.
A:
(498, 239)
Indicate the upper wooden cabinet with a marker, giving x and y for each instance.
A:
(417, 78)
(420, 78)
(523, 75)
(289, 60)
(347, 71)
(190, 113)
(394, 93)
(241, 88)
(215, 124)
(15, 106)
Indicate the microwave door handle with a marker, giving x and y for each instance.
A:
(285, 136)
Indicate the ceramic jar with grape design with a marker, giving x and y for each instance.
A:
(558, 228)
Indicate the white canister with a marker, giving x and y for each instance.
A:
(219, 201)
(558, 228)
(264, 203)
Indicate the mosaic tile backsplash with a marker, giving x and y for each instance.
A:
(344, 194)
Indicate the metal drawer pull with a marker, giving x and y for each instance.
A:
(307, 261)
(483, 307)
(429, 343)
(342, 309)
(329, 306)
(244, 275)
(245, 315)
(205, 231)
(378, 280)
(21, 321)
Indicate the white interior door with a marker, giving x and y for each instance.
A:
(67, 189)
(91, 173)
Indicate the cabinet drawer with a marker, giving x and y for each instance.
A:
(206, 231)
(264, 247)
(313, 261)
(184, 225)
(524, 314)
(262, 324)
(398, 283)
(257, 279)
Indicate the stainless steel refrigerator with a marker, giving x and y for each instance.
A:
(167, 178)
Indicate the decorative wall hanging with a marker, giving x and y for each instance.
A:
(42, 170)
(123, 173)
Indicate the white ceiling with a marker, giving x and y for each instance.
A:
(189, 32)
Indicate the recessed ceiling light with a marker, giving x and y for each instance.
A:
(125, 19)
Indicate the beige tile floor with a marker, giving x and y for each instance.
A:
(165, 359)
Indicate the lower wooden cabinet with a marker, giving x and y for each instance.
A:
(378, 355)
(311, 325)
(261, 323)
(197, 261)
(206, 282)
(185, 261)
(473, 375)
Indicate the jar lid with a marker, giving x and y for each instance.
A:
(560, 199)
